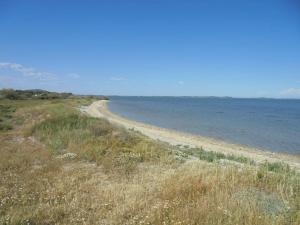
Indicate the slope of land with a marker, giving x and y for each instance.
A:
(59, 166)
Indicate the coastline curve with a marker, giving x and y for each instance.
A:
(100, 109)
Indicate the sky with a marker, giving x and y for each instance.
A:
(237, 48)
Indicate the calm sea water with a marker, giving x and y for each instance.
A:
(270, 124)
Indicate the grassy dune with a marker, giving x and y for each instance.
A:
(59, 166)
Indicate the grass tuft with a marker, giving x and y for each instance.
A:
(211, 156)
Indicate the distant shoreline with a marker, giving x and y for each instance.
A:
(201, 97)
(100, 109)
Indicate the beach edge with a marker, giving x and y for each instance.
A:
(99, 109)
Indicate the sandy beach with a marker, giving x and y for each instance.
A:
(100, 109)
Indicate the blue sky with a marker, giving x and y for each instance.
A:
(236, 48)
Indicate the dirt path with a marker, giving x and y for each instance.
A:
(100, 109)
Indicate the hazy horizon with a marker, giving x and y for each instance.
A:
(163, 96)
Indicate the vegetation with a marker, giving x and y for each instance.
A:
(211, 156)
(6, 112)
(98, 141)
(59, 166)
(38, 94)
(31, 94)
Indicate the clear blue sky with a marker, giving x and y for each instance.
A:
(238, 48)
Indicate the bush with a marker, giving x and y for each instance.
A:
(10, 94)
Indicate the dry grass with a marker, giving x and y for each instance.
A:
(121, 177)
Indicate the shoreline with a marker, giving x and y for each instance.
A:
(100, 109)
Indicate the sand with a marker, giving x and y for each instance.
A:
(100, 109)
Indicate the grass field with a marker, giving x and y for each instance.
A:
(59, 166)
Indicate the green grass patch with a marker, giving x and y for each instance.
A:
(6, 117)
(276, 167)
(97, 140)
(211, 156)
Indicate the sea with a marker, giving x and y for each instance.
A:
(267, 124)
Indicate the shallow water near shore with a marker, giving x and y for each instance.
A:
(270, 124)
